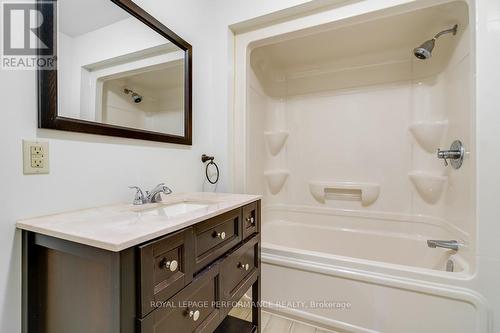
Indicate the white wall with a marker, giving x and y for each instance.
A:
(488, 156)
(88, 170)
(111, 164)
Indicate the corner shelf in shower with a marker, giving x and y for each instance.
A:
(429, 134)
(276, 179)
(367, 193)
(275, 141)
(429, 186)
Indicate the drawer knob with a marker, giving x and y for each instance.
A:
(245, 267)
(221, 235)
(251, 220)
(171, 265)
(195, 315)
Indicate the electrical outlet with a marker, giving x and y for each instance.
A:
(35, 157)
(36, 151)
(37, 163)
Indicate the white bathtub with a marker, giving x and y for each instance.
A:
(364, 247)
(386, 276)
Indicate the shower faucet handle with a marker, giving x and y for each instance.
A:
(455, 155)
(443, 155)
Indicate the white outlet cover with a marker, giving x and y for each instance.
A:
(27, 166)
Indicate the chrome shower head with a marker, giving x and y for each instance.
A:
(135, 96)
(424, 51)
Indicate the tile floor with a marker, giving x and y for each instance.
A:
(276, 324)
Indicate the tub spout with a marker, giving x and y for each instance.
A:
(451, 244)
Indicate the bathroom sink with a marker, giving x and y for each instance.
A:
(175, 209)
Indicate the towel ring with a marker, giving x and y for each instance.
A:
(210, 160)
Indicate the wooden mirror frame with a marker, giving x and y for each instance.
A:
(47, 86)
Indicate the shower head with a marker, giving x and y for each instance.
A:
(424, 51)
(135, 96)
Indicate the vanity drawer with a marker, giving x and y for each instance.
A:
(214, 237)
(194, 309)
(166, 266)
(250, 219)
(237, 268)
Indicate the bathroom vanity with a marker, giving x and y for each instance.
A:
(175, 266)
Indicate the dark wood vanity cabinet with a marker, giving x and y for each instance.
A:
(182, 282)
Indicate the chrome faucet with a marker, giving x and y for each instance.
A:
(451, 244)
(152, 196)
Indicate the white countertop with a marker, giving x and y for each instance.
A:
(116, 228)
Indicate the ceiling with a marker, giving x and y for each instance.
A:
(401, 32)
(164, 79)
(77, 17)
(158, 80)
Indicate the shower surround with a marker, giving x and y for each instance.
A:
(338, 124)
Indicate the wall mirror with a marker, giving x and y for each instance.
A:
(120, 72)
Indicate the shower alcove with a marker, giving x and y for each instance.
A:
(337, 123)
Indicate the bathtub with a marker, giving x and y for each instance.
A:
(337, 271)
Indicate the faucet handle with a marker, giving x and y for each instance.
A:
(139, 195)
(162, 188)
(443, 155)
(454, 156)
(167, 190)
(154, 195)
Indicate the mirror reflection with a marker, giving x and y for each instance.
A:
(113, 69)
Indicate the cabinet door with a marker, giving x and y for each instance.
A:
(214, 237)
(166, 266)
(194, 309)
